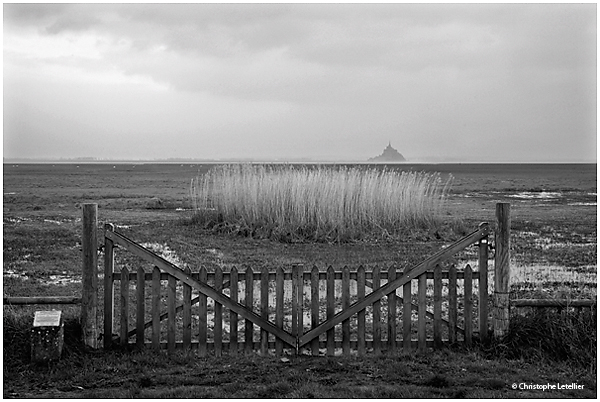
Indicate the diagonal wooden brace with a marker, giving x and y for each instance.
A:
(203, 288)
(377, 294)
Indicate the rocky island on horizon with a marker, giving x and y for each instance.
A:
(390, 154)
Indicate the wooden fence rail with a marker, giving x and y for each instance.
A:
(42, 300)
(557, 303)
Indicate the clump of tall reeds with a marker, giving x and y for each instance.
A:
(319, 203)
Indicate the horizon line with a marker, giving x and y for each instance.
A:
(93, 160)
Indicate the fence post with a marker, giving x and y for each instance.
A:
(502, 270)
(89, 292)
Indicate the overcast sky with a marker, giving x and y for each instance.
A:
(469, 82)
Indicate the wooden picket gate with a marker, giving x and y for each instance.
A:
(322, 312)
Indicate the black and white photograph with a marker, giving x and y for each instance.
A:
(300, 200)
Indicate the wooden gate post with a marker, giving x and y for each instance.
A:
(502, 271)
(89, 291)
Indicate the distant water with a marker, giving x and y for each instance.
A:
(539, 176)
(481, 168)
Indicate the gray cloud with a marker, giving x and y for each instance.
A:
(438, 74)
(31, 14)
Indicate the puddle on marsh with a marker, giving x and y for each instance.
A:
(218, 254)
(544, 273)
(9, 273)
(570, 198)
(57, 279)
(52, 221)
(555, 241)
(529, 195)
(61, 280)
(165, 252)
(15, 220)
(547, 277)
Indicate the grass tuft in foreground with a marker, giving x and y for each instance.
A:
(291, 203)
(545, 334)
(16, 337)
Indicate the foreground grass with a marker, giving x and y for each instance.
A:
(527, 357)
(147, 374)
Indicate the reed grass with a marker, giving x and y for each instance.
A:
(319, 203)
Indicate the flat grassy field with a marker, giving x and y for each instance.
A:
(553, 254)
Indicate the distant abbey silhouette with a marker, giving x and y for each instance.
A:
(390, 154)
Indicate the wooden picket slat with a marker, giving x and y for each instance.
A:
(279, 289)
(331, 309)
(124, 306)
(437, 306)
(296, 301)
(187, 312)
(233, 317)
(249, 302)
(483, 288)
(361, 324)
(300, 300)
(314, 310)
(407, 314)
(141, 307)
(452, 305)
(218, 320)
(468, 305)
(345, 305)
(202, 315)
(376, 314)
(422, 324)
(156, 308)
(171, 301)
(109, 288)
(392, 312)
(264, 310)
